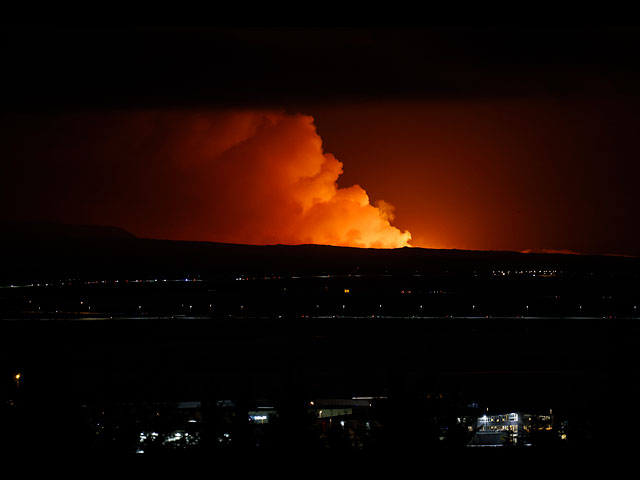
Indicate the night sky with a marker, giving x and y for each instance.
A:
(484, 139)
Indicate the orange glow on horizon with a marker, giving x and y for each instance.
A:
(495, 174)
(485, 174)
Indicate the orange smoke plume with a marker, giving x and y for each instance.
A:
(271, 172)
(258, 177)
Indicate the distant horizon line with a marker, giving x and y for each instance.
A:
(536, 251)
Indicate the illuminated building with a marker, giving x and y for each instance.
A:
(494, 430)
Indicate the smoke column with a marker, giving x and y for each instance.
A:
(257, 177)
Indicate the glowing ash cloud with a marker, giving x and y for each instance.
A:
(281, 186)
(257, 177)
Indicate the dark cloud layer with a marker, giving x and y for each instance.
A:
(53, 67)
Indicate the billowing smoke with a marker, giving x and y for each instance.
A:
(258, 177)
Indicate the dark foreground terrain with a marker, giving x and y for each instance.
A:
(112, 344)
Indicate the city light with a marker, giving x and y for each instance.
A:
(438, 305)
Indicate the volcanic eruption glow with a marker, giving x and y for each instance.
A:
(242, 176)
(283, 188)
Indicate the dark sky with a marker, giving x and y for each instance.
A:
(49, 67)
(482, 138)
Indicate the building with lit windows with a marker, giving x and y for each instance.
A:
(494, 430)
